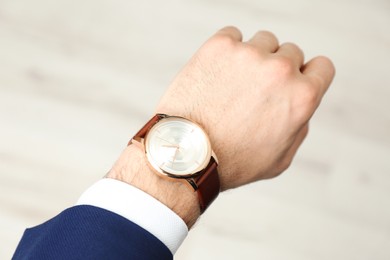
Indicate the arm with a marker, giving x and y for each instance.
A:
(254, 99)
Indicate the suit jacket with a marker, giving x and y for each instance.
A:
(87, 232)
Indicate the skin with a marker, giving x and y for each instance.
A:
(254, 99)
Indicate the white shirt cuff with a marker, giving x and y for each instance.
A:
(138, 207)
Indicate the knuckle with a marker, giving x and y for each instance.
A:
(284, 66)
(232, 28)
(217, 46)
(223, 41)
(327, 63)
(293, 46)
(267, 34)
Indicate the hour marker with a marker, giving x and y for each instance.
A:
(193, 129)
(161, 165)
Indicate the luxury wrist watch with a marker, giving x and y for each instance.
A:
(180, 150)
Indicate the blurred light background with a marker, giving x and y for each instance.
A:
(78, 78)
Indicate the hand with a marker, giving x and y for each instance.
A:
(253, 98)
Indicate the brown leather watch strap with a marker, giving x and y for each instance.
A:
(208, 186)
(142, 132)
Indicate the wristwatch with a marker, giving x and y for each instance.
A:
(179, 149)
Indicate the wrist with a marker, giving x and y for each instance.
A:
(132, 168)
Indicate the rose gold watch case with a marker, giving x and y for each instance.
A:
(142, 141)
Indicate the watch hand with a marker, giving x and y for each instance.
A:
(168, 145)
(174, 145)
(174, 156)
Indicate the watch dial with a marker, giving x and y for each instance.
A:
(177, 146)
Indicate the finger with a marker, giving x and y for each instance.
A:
(320, 71)
(265, 41)
(231, 32)
(293, 52)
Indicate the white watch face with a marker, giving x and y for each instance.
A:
(178, 147)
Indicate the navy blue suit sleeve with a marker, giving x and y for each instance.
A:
(87, 232)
